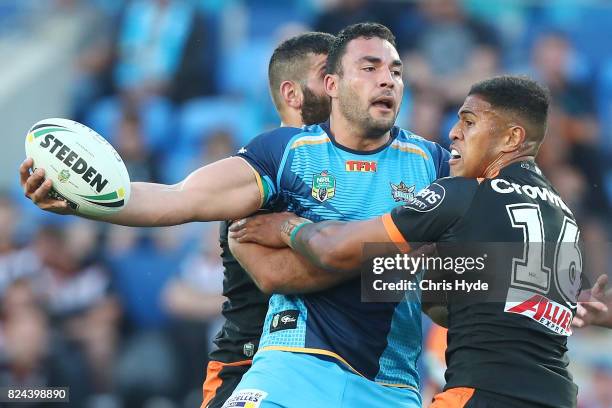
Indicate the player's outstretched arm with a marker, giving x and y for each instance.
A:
(226, 189)
(280, 270)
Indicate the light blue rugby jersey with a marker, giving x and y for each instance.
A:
(306, 172)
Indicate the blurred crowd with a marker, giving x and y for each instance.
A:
(125, 316)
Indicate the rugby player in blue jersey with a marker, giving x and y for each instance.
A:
(328, 345)
(325, 348)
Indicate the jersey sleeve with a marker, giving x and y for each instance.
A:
(440, 157)
(265, 154)
(432, 211)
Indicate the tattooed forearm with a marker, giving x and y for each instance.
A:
(289, 226)
(310, 241)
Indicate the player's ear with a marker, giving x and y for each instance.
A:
(331, 85)
(291, 94)
(515, 137)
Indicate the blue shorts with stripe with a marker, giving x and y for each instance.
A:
(299, 380)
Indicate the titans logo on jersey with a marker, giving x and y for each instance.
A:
(306, 172)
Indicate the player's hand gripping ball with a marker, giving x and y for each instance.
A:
(84, 168)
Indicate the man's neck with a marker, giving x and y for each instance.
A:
(291, 119)
(498, 164)
(347, 135)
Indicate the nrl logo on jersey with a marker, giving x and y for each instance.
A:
(323, 186)
(401, 192)
(248, 349)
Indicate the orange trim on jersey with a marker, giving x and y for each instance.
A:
(311, 351)
(409, 150)
(436, 342)
(262, 191)
(213, 381)
(299, 143)
(494, 174)
(491, 176)
(328, 353)
(453, 398)
(395, 234)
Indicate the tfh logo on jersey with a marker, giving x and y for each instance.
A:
(552, 315)
(401, 192)
(362, 166)
(323, 186)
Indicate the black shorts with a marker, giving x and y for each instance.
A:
(221, 380)
(464, 397)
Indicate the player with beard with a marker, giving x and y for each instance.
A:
(295, 76)
(507, 346)
(328, 345)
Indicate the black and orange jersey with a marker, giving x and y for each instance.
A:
(512, 338)
(244, 310)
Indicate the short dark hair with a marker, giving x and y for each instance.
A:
(348, 34)
(520, 95)
(287, 61)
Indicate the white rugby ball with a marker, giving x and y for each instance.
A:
(85, 169)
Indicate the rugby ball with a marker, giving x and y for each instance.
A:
(85, 169)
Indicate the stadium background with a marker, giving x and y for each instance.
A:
(125, 316)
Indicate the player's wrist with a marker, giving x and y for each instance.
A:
(291, 227)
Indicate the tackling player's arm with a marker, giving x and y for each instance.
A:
(328, 245)
(256, 243)
(284, 271)
(334, 245)
(426, 219)
(339, 245)
(280, 270)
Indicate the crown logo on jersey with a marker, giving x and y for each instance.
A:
(401, 192)
(323, 186)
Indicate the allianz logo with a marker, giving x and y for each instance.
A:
(505, 187)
